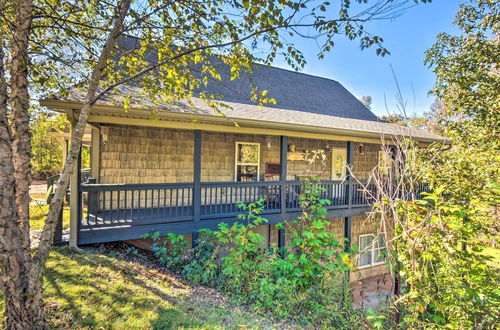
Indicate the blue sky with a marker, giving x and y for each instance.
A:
(407, 37)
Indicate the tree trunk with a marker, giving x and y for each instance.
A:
(46, 240)
(14, 275)
(22, 276)
(19, 118)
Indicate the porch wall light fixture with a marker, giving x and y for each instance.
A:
(361, 148)
(268, 142)
(104, 134)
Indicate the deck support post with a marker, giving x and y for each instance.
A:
(347, 233)
(197, 182)
(283, 173)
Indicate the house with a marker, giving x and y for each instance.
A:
(171, 173)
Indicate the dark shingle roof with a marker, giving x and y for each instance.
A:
(301, 99)
(292, 91)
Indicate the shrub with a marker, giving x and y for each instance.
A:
(445, 282)
(308, 281)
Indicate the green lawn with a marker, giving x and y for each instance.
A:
(38, 214)
(103, 290)
(495, 254)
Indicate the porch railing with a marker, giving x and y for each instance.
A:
(107, 205)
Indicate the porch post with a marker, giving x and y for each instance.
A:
(197, 182)
(95, 153)
(347, 233)
(349, 163)
(349, 192)
(283, 170)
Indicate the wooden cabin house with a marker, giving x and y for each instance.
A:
(179, 170)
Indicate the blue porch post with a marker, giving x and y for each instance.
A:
(283, 169)
(349, 163)
(349, 193)
(197, 183)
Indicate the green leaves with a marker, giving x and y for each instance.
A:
(467, 80)
(188, 41)
(307, 280)
(439, 273)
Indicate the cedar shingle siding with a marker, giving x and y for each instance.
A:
(135, 154)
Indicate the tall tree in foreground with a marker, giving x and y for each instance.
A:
(56, 43)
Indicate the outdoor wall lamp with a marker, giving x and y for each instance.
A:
(268, 142)
(361, 148)
(104, 134)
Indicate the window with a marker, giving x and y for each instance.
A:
(247, 161)
(372, 250)
(339, 157)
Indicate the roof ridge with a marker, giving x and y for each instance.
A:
(299, 72)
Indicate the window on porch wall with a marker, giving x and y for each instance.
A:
(247, 161)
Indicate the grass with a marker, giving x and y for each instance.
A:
(38, 214)
(495, 257)
(103, 290)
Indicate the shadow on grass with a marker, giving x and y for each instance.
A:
(92, 290)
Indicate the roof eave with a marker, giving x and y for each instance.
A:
(63, 106)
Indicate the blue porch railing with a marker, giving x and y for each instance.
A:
(108, 205)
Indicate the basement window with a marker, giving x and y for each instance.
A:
(247, 161)
(372, 250)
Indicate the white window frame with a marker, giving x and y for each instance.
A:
(334, 152)
(236, 163)
(373, 249)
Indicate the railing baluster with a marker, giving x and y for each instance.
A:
(158, 203)
(118, 206)
(104, 206)
(210, 201)
(164, 205)
(183, 203)
(170, 208)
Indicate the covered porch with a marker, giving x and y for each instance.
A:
(108, 211)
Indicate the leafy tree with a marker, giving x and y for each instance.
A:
(468, 85)
(76, 41)
(367, 101)
(45, 144)
(436, 246)
(415, 121)
(468, 75)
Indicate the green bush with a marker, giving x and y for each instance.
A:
(308, 281)
(196, 264)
